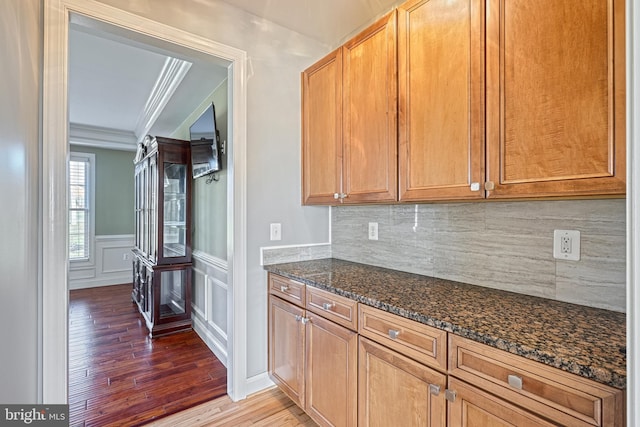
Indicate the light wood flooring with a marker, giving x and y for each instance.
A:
(267, 408)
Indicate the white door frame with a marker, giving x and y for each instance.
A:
(55, 152)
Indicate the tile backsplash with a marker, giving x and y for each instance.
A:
(503, 245)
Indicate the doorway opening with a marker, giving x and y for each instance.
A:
(99, 17)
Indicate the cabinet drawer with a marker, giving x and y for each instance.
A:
(336, 308)
(420, 342)
(559, 396)
(287, 289)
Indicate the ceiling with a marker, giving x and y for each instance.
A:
(122, 88)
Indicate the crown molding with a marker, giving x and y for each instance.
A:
(100, 137)
(171, 75)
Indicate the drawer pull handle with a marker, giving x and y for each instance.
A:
(393, 334)
(434, 389)
(284, 288)
(328, 306)
(515, 381)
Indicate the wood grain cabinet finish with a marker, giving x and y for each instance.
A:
(558, 396)
(313, 359)
(473, 407)
(395, 390)
(413, 339)
(441, 99)
(287, 342)
(349, 121)
(331, 373)
(555, 98)
(322, 130)
(336, 308)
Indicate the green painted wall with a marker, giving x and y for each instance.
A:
(114, 190)
(210, 200)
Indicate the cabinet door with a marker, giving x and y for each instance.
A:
(370, 114)
(397, 391)
(322, 130)
(474, 408)
(555, 98)
(441, 102)
(331, 373)
(286, 348)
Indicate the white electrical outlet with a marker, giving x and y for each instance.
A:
(373, 231)
(276, 231)
(566, 244)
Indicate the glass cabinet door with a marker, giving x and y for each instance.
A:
(173, 284)
(175, 210)
(153, 208)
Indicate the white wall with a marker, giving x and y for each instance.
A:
(276, 56)
(20, 82)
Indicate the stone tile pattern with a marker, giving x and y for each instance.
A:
(501, 245)
(278, 255)
(583, 340)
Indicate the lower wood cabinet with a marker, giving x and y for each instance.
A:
(505, 379)
(398, 391)
(473, 407)
(312, 359)
(397, 372)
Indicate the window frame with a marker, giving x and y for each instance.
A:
(90, 159)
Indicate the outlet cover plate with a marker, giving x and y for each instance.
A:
(373, 231)
(566, 245)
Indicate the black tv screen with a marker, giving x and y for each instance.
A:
(205, 144)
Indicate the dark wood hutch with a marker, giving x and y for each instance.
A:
(162, 252)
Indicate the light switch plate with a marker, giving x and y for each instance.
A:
(275, 231)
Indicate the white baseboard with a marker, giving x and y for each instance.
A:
(98, 282)
(216, 346)
(258, 383)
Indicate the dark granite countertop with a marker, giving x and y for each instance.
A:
(586, 341)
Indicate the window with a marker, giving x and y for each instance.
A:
(81, 187)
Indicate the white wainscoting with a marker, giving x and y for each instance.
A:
(209, 302)
(110, 265)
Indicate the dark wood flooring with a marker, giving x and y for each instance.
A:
(118, 376)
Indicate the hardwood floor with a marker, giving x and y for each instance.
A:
(118, 376)
(267, 408)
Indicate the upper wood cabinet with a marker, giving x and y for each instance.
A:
(493, 99)
(349, 121)
(440, 99)
(555, 98)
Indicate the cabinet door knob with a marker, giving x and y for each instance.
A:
(434, 389)
(450, 395)
(343, 195)
(489, 186)
(393, 334)
(327, 305)
(305, 320)
(284, 288)
(515, 381)
(336, 196)
(475, 186)
(298, 318)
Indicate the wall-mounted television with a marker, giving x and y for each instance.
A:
(205, 144)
